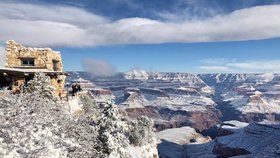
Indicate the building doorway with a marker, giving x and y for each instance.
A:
(5, 81)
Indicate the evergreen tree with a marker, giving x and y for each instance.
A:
(41, 84)
(141, 131)
(111, 133)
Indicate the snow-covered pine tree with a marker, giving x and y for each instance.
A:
(32, 124)
(112, 133)
(41, 83)
(141, 131)
(89, 104)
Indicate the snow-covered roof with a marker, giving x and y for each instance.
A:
(28, 71)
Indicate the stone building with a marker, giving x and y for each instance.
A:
(23, 62)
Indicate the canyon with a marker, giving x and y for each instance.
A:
(210, 109)
(196, 100)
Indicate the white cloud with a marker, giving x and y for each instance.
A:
(2, 56)
(215, 68)
(244, 66)
(69, 26)
(217, 60)
(98, 68)
(254, 66)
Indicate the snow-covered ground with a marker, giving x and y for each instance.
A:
(74, 104)
(173, 141)
(146, 151)
(183, 135)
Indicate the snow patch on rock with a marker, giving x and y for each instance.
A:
(183, 135)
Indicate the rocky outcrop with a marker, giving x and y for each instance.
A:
(253, 140)
(224, 129)
(102, 95)
(199, 120)
(165, 118)
(173, 140)
(182, 135)
(149, 111)
(222, 150)
(101, 92)
(258, 117)
(132, 98)
(230, 127)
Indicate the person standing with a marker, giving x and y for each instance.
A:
(74, 89)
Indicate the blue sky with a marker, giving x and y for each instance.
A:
(157, 35)
(179, 57)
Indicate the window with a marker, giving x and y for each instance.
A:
(55, 67)
(27, 62)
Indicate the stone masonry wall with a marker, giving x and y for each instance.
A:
(43, 59)
(43, 56)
